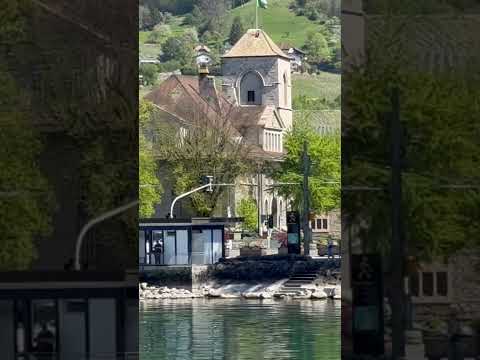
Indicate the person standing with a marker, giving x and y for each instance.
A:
(330, 248)
(45, 343)
(157, 252)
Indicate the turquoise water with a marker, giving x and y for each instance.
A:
(234, 329)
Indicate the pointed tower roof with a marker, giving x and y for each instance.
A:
(255, 42)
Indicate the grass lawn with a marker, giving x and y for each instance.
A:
(281, 24)
(323, 85)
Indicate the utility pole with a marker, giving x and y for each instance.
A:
(306, 200)
(397, 257)
(260, 201)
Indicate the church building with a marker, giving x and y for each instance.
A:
(256, 96)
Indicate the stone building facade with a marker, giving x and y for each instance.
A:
(450, 288)
(256, 96)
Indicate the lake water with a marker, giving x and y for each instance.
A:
(235, 329)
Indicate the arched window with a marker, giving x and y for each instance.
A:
(251, 89)
(285, 90)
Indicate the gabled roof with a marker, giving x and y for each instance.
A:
(179, 96)
(287, 46)
(255, 43)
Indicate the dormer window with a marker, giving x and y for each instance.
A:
(251, 96)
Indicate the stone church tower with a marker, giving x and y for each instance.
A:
(257, 72)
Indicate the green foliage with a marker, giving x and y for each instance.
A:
(159, 34)
(237, 30)
(179, 49)
(247, 208)
(316, 48)
(148, 17)
(201, 150)
(324, 152)
(149, 73)
(440, 130)
(150, 191)
(26, 199)
(315, 9)
(302, 102)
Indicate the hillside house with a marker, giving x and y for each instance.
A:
(297, 56)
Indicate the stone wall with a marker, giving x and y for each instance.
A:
(170, 276)
(465, 266)
(267, 67)
(464, 301)
(268, 267)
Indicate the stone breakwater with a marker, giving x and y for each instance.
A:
(319, 289)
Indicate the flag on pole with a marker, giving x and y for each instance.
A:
(262, 4)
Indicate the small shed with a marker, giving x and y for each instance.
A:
(181, 242)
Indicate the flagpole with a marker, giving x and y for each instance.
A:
(256, 14)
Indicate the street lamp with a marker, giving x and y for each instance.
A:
(91, 223)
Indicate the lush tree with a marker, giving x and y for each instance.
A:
(159, 34)
(214, 13)
(26, 201)
(324, 152)
(180, 49)
(150, 191)
(149, 73)
(25, 197)
(247, 208)
(195, 18)
(237, 30)
(440, 130)
(206, 145)
(316, 47)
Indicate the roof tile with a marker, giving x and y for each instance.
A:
(255, 42)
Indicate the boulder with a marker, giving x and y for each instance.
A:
(214, 293)
(305, 295)
(251, 295)
(319, 294)
(266, 295)
(228, 296)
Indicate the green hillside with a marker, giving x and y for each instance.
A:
(323, 85)
(151, 51)
(281, 24)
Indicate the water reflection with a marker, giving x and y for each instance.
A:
(233, 329)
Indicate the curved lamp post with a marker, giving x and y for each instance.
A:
(91, 223)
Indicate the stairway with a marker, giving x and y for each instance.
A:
(293, 286)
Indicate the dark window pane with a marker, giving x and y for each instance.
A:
(44, 325)
(251, 96)
(312, 224)
(319, 223)
(414, 284)
(325, 224)
(442, 283)
(427, 284)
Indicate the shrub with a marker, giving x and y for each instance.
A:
(248, 210)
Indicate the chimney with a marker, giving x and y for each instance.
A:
(206, 85)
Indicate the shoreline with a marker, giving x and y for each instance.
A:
(320, 289)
